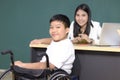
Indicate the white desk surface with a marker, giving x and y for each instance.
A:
(85, 47)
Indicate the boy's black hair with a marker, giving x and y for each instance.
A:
(62, 18)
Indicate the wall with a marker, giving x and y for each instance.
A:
(24, 20)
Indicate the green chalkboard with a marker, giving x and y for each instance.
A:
(24, 20)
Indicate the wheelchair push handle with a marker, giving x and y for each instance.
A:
(6, 52)
(11, 55)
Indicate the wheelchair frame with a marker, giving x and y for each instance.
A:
(20, 74)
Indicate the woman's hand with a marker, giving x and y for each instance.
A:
(85, 37)
(82, 39)
(76, 40)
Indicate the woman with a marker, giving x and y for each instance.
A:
(83, 29)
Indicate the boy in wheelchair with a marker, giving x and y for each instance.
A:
(60, 51)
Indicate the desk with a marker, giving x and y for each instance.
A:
(91, 62)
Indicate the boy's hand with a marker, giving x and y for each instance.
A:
(18, 63)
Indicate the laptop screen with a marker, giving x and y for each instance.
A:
(109, 34)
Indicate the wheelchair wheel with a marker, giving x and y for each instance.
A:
(60, 75)
(7, 75)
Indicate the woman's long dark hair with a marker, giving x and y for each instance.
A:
(77, 27)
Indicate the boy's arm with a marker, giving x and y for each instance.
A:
(36, 65)
(41, 41)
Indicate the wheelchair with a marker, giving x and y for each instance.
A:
(19, 73)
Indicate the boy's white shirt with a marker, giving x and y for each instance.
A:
(61, 54)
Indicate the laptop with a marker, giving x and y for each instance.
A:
(110, 34)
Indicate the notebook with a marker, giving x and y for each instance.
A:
(110, 35)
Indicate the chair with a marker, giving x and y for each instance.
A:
(35, 74)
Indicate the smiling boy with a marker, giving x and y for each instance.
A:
(60, 51)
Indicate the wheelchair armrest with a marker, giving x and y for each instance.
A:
(30, 73)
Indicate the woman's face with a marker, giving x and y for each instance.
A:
(58, 31)
(81, 17)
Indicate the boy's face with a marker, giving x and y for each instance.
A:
(58, 31)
